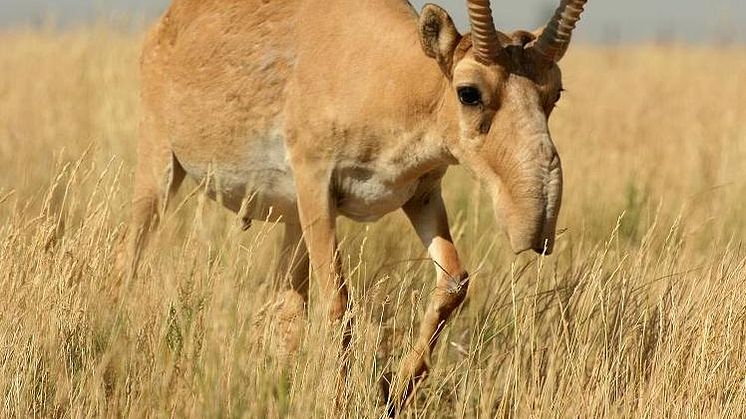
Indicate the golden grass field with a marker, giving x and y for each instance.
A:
(641, 312)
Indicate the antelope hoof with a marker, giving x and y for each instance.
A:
(413, 369)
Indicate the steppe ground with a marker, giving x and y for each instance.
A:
(641, 312)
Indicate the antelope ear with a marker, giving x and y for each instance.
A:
(438, 36)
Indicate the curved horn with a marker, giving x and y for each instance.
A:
(555, 37)
(483, 32)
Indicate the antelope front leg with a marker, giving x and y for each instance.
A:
(318, 219)
(428, 216)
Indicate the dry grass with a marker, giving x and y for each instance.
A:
(641, 315)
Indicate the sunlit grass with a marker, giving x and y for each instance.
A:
(639, 314)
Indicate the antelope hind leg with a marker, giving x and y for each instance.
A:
(158, 176)
(293, 307)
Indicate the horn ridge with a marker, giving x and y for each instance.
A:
(486, 42)
(556, 36)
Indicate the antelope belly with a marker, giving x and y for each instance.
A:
(257, 180)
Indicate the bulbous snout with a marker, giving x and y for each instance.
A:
(532, 203)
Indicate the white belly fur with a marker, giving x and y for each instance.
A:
(260, 179)
(265, 178)
(365, 195)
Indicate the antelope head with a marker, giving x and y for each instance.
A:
(502, 89)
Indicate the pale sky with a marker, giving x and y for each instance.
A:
(701, 21)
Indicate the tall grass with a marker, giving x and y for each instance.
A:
(639, 314)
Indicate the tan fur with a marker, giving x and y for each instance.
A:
(316, 109)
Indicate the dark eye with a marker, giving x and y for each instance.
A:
(469, 95)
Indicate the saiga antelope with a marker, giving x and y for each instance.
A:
(322, 108)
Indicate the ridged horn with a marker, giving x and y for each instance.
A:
(483, 32)
(555, 38)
